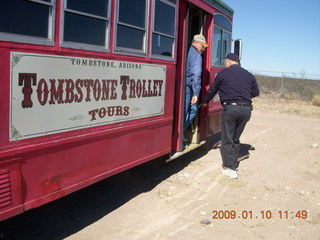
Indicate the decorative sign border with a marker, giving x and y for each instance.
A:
(53, 94)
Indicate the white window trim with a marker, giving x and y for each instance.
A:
(84, 46)
(130, 51)
(223, 31)
(49, 41)
(162, 57)
(225, 18)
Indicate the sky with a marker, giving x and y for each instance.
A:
(278, 35)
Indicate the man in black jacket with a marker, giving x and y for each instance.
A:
(236, 87)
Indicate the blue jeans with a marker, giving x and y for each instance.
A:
(190, 110)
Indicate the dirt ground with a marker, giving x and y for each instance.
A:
(277, 194)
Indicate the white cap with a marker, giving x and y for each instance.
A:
(201, 39)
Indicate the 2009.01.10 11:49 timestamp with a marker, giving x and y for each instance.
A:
(245, 214)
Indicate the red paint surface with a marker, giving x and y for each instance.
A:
(42, 169)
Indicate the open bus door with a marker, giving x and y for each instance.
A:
(193, 20)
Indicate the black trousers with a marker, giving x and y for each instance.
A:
(234, 120)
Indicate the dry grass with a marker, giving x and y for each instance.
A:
(268, 103)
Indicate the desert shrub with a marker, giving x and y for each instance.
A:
(289, 88)
(316, 100)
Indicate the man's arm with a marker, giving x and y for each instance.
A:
(255, 89)
(212, 91)
(196, 75)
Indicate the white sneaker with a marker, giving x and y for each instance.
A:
(230, 173)
(225, 171)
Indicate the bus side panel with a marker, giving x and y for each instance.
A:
(55, 172)
(215, 109)
(45, 175)
(41, 169)
(214, 122)
(4, 97)
(10, 188)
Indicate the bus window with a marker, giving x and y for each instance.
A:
(27, 21)
(221, 40)
(131, 26)
(86, 24)
(164, 28)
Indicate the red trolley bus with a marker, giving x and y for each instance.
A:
(92, 88)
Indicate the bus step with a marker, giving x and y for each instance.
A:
(191, 147)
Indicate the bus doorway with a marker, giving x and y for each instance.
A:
(192, 22)
(196, 25)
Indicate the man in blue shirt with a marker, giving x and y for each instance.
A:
(193, 78)
(236, 87)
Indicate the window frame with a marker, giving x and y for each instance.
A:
(223, 31)
(157, 56)
(131, 51)
(86, 46)
(49, 41)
